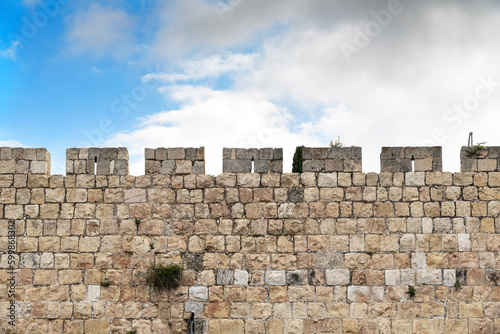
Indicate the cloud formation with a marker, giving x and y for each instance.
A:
(11, 51)
(11, 143)
(414, 62)
(102, 31)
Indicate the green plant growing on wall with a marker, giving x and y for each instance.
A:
(297, 160)
(151, 245)
(337, 143)
(411, 291)
(137, 222)
(457, 285)
(132, 332)
(474, 151)
(106, 283)
(164, 277)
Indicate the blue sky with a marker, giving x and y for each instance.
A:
(248, 73)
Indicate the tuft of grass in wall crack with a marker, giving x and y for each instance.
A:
(151, 245)
(164, 277)
(106, 283)
(457, 285)
(137, 222)
(411, 291)
(132, 332)
(475, 150)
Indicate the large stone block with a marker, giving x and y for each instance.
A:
(337, 276)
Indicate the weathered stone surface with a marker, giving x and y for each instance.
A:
(275, 277)
(329, 250)
(337, 276)
(198, 293)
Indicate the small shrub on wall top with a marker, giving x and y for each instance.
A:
(475, 150)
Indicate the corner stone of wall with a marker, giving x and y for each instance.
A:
(175, 161)
(332, 159)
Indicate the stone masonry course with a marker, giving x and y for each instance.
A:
(329, 250)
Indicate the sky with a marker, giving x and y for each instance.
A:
(249, 73)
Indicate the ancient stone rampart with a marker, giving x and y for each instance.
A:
(325, 251)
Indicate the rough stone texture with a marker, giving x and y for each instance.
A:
(275, 277)
(331, 159)
(20, 161)
(485, 160)
(252, 160)
(317, 252)
(175, 161)
(401, 159)
(337, 276)
(97, 161)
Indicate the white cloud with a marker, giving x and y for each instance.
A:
(396, 91)
(11, 51)
(102, 31)
(210, 67)
(11, 143)
(214, 119)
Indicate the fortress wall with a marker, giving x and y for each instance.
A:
(317, 252)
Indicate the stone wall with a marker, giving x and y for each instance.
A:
(331, 159)
(486, 160)
(23, 161)
(248, 160)
(411, 159)
(175, 161)
(97, 161)
(261, 253)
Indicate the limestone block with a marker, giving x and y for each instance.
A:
(193, 307)
(359, 294)
(407, 276)
(313, 165)
(487, 165)
(47, 260)
(449, 277)
(327, 180)
(93, 292)
(423, 165)
(97, 326)
(429, 276)
(7, 166)
(464, 242)
(225, 277)
(198, 293)
(39, 167)
(352, 165)
(241, 277)
(297, 277)
(392, 277)
(337, 277)
(275, 277)
(149, 154)
(333, 165)
(415, 179)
